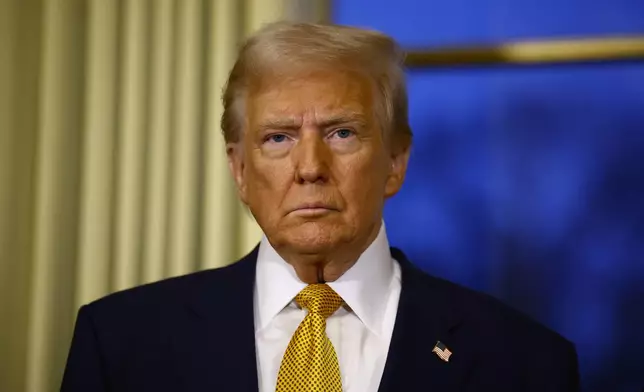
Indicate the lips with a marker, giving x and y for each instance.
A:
(315, 206)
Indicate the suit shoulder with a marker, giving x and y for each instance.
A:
(496, 319)
(162, 294)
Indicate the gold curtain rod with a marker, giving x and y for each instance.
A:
(533, 52)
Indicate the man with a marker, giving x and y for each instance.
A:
(317, 138)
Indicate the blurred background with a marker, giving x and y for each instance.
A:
(526, 179)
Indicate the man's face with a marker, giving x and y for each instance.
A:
(313, 165)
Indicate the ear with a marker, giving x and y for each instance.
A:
(235, 154)
(397, 170)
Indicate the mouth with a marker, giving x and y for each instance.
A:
(313, 210)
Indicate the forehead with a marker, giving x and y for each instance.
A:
(319, 93)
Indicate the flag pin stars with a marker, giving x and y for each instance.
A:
(442, 351)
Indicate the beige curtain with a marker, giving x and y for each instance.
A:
(112, 167)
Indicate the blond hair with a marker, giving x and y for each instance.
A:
(281, 45)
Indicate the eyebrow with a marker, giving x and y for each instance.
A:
(293, 124)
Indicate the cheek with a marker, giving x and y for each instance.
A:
(267, 180)
(363, 183)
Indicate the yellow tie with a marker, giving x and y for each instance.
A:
(310, 362)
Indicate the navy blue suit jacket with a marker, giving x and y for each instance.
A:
(196, 333)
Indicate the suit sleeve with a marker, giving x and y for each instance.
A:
(84, 370)
(558, 371)
(571, 376)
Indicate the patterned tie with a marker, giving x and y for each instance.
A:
(310, 362)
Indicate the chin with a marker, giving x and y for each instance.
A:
(314, 237)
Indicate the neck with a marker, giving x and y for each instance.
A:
(327, 266)
(320, 268)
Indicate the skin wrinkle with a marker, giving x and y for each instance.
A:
(311, 163)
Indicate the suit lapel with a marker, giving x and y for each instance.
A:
(424, 317)
(217, 344)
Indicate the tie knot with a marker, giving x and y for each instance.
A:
(319, 299)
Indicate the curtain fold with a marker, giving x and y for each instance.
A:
(113, 169)
(187, 134)
(220, 204)
(157, 181)
(56, 189)
(98, 160)
(20, 63)
(131, 149)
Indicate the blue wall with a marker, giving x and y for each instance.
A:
(528, 183)
(444, 22)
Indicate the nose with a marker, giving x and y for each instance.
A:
(312, 157)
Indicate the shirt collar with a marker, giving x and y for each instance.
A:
(276, 284)
(364, 287)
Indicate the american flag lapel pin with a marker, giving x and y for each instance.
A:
(442, 351)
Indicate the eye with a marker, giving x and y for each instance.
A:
(277, 138)
(343, 133)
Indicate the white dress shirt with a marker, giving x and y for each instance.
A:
(360, 332)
